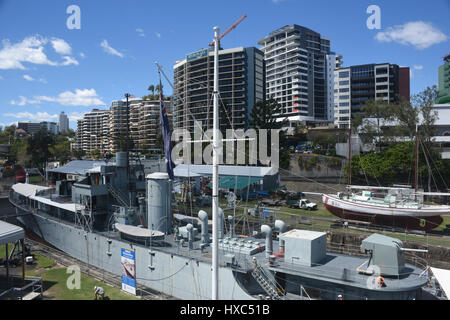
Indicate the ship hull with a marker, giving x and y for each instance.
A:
(174, 275)
(392, 217)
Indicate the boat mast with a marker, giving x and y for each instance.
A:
(215, 177)
(416, 171)
(349, 178)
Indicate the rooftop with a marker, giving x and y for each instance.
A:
(10, 233)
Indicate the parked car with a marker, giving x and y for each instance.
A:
(304, 204)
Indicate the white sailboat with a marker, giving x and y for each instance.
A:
(391, 206)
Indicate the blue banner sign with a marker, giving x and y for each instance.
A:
(128, 262)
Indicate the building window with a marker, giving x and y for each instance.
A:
(382, 70)
(344, 74)
(344, 83)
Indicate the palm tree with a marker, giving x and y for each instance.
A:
(151, 88)
(158, 88)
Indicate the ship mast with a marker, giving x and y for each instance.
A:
(215, 177)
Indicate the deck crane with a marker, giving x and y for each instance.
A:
(234, 25)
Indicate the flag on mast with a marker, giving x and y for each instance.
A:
(164, 121)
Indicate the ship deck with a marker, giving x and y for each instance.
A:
(337, 268)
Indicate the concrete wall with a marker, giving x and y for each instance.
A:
(314, 166)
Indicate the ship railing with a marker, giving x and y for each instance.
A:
(14, 199)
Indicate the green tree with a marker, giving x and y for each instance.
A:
(264, 115)
(405, 117)
(61, 151)
(78, 154)
(95, 154)
(158, 89)
(38, 147)
(424, 101)
(120, 143)
(372, 120)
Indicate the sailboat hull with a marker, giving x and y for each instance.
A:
(392, 217)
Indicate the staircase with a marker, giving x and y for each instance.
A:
(268, 283)
(119, 196)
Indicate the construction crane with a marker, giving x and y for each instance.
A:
(234, 25)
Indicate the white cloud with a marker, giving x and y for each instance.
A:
(39, 116)
(140, 32)
(74, 116)
(28, 78)
(69, 60)
(419, 34)
(82, 55)
(31, 50)
(158, 34)
(24, 101)
(85, 98)
(61, 46)
(110, 50)
(418, 67)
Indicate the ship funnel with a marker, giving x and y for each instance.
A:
(231, 221)
(281, 227)
(203, 216)
(220, 224)
(159, 202)
(121, 159)
(190, 232)
(267, 231)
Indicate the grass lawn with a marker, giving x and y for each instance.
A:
(56, 279)
(36, 179)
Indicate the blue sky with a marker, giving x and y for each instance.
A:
(46, 68)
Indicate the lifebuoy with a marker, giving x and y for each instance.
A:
(380, 281)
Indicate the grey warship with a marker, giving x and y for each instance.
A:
(93, 217)
(95, 214)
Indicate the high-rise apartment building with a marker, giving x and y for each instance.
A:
(107, 129)
(34, 127)
(145, 125)
(298, 62)
(444, 81)
(355, 85)
(93, 131)
(120, 122)
(63, 123)
(241, 85)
